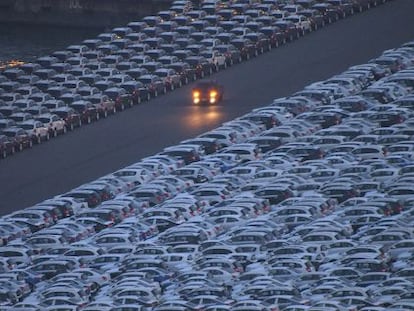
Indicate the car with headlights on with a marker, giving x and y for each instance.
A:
(209, 92)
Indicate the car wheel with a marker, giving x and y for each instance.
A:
(4, 154)
(165, 90)
(186, 80)
(80, 123)
(180, 84)
(290, 37)
(139, 100)
(30, 143)
(38, 139)
(225, 65)
(211, 71)
(71, 127)
(64, 130)
(113, 110)
(89, 120)
(97, 117)
(202, 74)
(240, 59)
(105, 113)
(47, 136)
(156, 93)
(172, 87)
(148, 96)
(20, 147)
(55, 133)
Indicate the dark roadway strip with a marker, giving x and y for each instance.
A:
(97, 149)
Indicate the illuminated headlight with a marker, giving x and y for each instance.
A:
(196, 100)
(213, 97)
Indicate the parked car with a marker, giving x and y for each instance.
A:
(20, 138)
(53, 122)
(86, 110)
(120, 97)
(70, 116)
(6, 146)
(37, 130)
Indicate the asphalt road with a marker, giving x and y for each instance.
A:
(97, 149)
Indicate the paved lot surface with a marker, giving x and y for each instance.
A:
(105, 146)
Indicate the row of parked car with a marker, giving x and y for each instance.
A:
(303, 204)
(131, 64)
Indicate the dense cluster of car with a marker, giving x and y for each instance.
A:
(146, 58)
(303, 204)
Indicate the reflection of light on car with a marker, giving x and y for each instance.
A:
(200, 117)
(10, 64)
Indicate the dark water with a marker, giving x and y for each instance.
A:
(27, 42)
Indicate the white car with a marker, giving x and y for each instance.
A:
(55, 124)
(246, 151)
(37, 130)
(135, 175)
(301, 22)
(216, 58)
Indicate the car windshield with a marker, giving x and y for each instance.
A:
(112, 94)
(27, 126)
(207, 54)
(162, 74)
(9, 133)
(62, 114)
(145, 80)
(204, 85)
(43, 119)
